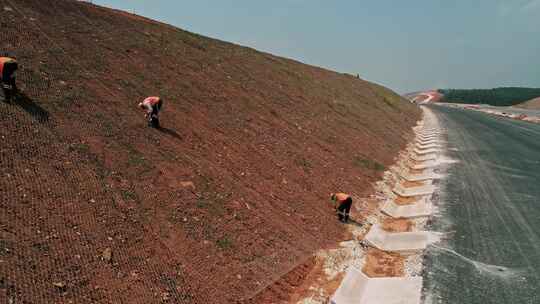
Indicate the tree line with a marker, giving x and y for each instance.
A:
(496, 97)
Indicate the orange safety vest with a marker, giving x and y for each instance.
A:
(341, 197)
(153, 100)
(4, 60)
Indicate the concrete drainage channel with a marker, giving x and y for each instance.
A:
(404, 194)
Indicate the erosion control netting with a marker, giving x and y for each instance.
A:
(81, 217)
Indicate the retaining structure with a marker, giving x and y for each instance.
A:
(358, 288)
(421, 208)
(397, 241)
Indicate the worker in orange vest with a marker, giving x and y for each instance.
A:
(343, 203)
(8, 66)
(152, 106)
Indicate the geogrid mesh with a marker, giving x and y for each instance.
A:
(58, 212)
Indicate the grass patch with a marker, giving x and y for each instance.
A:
(129, 195)
(303, 162)
(368, 164)
(214, 207)
(224, 243)
(136, 160)
(80, 147)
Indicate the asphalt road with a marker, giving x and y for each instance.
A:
(490, 207)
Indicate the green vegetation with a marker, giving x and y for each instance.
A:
(303, 162)
(80, 147)
(129, 195)
(224, 243)
(368, 164)
(495, 97)
(214, 206)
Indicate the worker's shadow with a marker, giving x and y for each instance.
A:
(170, 132)
(354, 223)
(30, 107)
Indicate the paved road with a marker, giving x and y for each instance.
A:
(492, 208)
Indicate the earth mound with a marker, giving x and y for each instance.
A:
(225, 199)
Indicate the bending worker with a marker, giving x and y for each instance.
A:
(152, 105)
(343, 203)
(8, 66)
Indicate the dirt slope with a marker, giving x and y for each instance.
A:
(228, 198)
(533, 104)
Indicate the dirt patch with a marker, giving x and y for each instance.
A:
(408, 184)
(416, 171)
(383, 264)
(397, 225)
(401, 200)
(294, 282)
(297, 285)
(413, 163)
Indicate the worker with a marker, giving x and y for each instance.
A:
(8, 66)
(343, 203)
(152, 106)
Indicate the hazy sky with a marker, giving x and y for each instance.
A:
(405, 45)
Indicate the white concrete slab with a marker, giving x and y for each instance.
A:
(426, 151)
(424, 165)
(430, 137)
(427, 141)
(358, 288)
(427, 135)
(397, 241)
(428, 146)
(424, 157)
(427, 175)
(421, 208)
(429, 127)
(414, 191)
(429, 130)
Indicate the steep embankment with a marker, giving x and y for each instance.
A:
(533, 104)
(231, 195)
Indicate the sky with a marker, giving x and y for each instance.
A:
(405, 45)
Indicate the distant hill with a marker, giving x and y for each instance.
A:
(508, 96)
(424, 96)
(533, 104)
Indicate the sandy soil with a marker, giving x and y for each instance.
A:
(416, 171)
(397, 225)
(408, 184)
(533, 104)
(401, 200)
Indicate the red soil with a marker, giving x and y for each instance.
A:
(408, 184)
(220, 204)
(383, 264)
(397, 225)
(401, 200)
